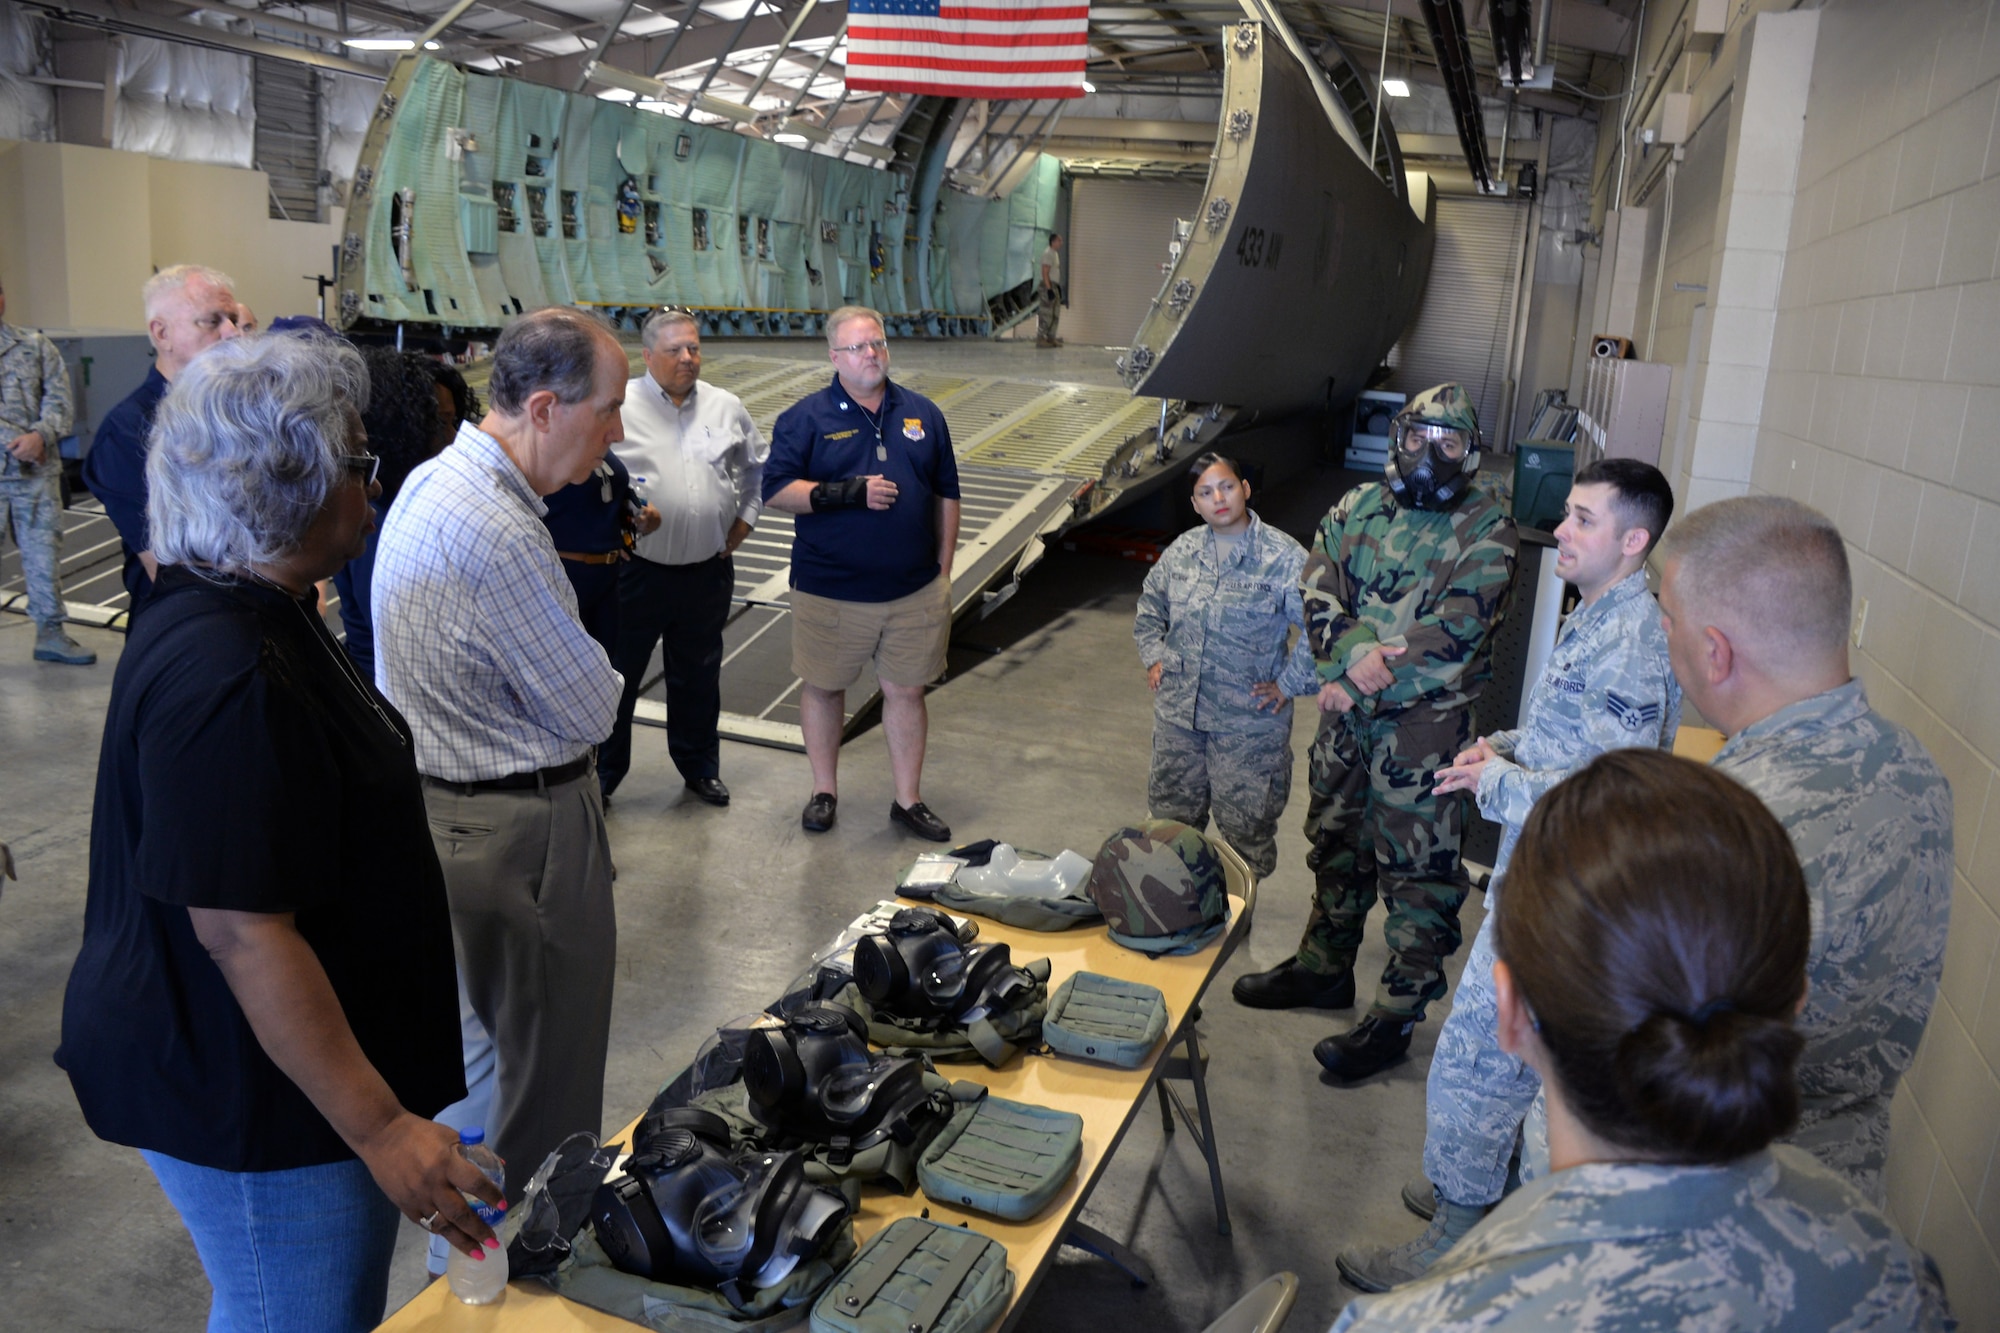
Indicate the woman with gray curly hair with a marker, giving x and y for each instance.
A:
(265, 1004)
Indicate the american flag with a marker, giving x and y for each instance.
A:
(999, 49)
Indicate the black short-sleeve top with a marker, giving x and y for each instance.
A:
(244, 767)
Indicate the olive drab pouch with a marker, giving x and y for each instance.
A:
(1005, 1158)
(1104, 1018)
(918, 1276)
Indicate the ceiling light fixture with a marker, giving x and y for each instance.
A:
(384, 44)
(790, 138)
(1396, 87)
(1089, 87)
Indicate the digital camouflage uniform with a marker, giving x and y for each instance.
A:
(34, 396)
(1218, 623)
(1769, 1241)
(1870, 817)
(1608, 685)
(1437, 583)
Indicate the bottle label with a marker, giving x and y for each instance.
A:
(487, 1212)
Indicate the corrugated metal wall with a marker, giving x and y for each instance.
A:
(1121, 231)
(287, 136)
(1461, 333)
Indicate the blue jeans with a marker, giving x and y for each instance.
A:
(287, 1251)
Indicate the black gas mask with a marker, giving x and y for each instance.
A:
(814, 1077)
(690, 1212)
(919, 971)
(1430, 464)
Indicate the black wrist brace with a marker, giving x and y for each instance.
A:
(849, 493)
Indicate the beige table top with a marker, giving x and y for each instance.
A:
(1107, 1099)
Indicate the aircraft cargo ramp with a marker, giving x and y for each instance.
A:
(1031, 453)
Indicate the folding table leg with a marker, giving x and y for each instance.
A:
(1193, 1067)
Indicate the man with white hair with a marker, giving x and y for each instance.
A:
(189, 308)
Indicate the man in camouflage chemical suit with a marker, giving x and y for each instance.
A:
(1407, 579)
(34, 417)
(1608, 684)
(1756, 594)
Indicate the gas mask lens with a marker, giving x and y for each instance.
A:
(850, 1090)
(724, 1220)
(1443, 441)
(942, 976)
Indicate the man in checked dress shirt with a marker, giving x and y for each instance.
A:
(478, 643)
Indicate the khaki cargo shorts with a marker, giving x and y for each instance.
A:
(905, 638)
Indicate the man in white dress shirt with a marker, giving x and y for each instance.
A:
(697, 457)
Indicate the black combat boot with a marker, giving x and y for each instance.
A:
(1368, 1047)
(1290, 986)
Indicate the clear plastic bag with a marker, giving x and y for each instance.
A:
(1005, 872)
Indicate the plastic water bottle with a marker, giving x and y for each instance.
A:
(477, 1281)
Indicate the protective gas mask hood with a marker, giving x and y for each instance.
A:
(918, 970)
(814, 1076)
(689, 1211)
(1425, 478)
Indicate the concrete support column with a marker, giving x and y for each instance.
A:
(1752, 226)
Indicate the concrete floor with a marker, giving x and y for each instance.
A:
(1039, 736)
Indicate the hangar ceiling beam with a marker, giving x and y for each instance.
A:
(702, 43)
(117, 18)
(604, 44)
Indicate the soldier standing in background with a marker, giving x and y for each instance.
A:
(1048, 315)
(1407, 579)
(34, 417)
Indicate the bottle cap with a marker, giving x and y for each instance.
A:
(472, 1136)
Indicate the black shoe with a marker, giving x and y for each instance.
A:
(818, 816)
(919, 820)
(1369, 1047)
(1290, 986)
(710, 790)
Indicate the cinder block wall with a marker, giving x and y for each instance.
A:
(1883, 410)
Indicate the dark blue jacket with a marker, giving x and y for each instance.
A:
(861, 554)
(115, 472)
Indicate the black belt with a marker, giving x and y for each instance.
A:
(540, 778)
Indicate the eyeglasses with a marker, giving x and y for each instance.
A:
(365, 464)
(875, 345)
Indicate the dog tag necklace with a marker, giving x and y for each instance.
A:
(881, 445)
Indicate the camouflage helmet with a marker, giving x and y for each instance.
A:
(1161, 887)
(1445, 405)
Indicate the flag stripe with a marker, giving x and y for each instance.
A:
(1031, 14)
(928, 28)
(946, 39)
(985, 86)
(971, 66)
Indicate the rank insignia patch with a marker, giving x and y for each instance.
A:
(1632, 716)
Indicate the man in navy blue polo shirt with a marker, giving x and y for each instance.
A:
(867, 466)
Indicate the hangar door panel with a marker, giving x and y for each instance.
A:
(1461, 333)
(1120, 233)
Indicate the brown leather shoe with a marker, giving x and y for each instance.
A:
(819, 812)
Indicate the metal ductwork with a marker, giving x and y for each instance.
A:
(1446, 21)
